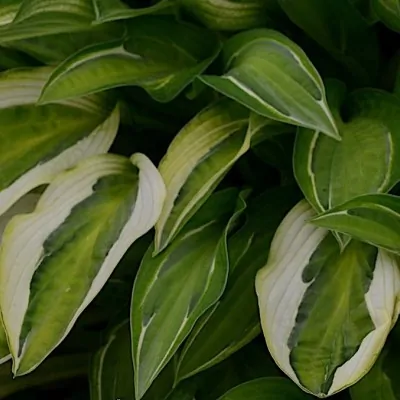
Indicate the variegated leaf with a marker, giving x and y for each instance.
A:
(230, 15)
(388, 12)
(325, 314)
(351, 42)
(24, 205)
(329, 172)
(234, 322)
(159, 54)
(9, 10)
(42, 141)
(45, 17)
(111, 375)
(54, 261)
(373, 218)
(271, 75)
(173, 289)
(112, 10)
(196, 161)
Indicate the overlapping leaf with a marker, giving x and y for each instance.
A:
(197, 160)
(271, 75)
(159, 54)
(230, 15)
(111, 10)
(54, 261)
(173, 289)
(339, 28)
(371, 218)
(366, 160)
(389, 12)
(235, 321)
(308, 277)
(9, 10)
(43, 141)
(44, 17)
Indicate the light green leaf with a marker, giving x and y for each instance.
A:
(234, 322)
(112, 10)
(173, 289)
(23, 205)
(43, 141)
(328, 171)
(340, 29)
(54, 261)
(159, 54)
(45, 17)
(388, 12)
(266, 388)
(9, 10)
(229, 15)
(196, 161)
(307, 278)
(271, 75)
(373, 218)
(111, 375)
(47, 48)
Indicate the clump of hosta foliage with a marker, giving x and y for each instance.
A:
(199, 199)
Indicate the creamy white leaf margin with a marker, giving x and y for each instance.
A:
(22, 248)
(280, 290)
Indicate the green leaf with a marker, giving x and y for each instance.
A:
(9, 10)
(328, 171)
(388, 12)
(111, 375)
(173, 289)
(45, 17)
(374, 219)
(159, 54)
(112, 10)
(339, 28)
(54, 261)
(43, 141)
(271, 75)
(376, 385)
(230, 15)
(307, 278)
(234, 322)
(197, 160)
(266, 388)
(47, 48)
(10, 58)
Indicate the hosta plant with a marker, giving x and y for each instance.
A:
(199, 199)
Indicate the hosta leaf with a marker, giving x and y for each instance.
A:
(329, 172)
(371, 218)
(173, 289)
(197, 160)
(112, 10)
(47, 49)
(44, 17)
(9, 10)
(235, 321)
(308, 278)
(266, 388)
(159, 54)
(230, 15)
(388, 12)
(54, 261)
(43, 141)
(376, 385)
(10, 58)
(271, 75)
(340, 29)
(24, 205)
(111, 374)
